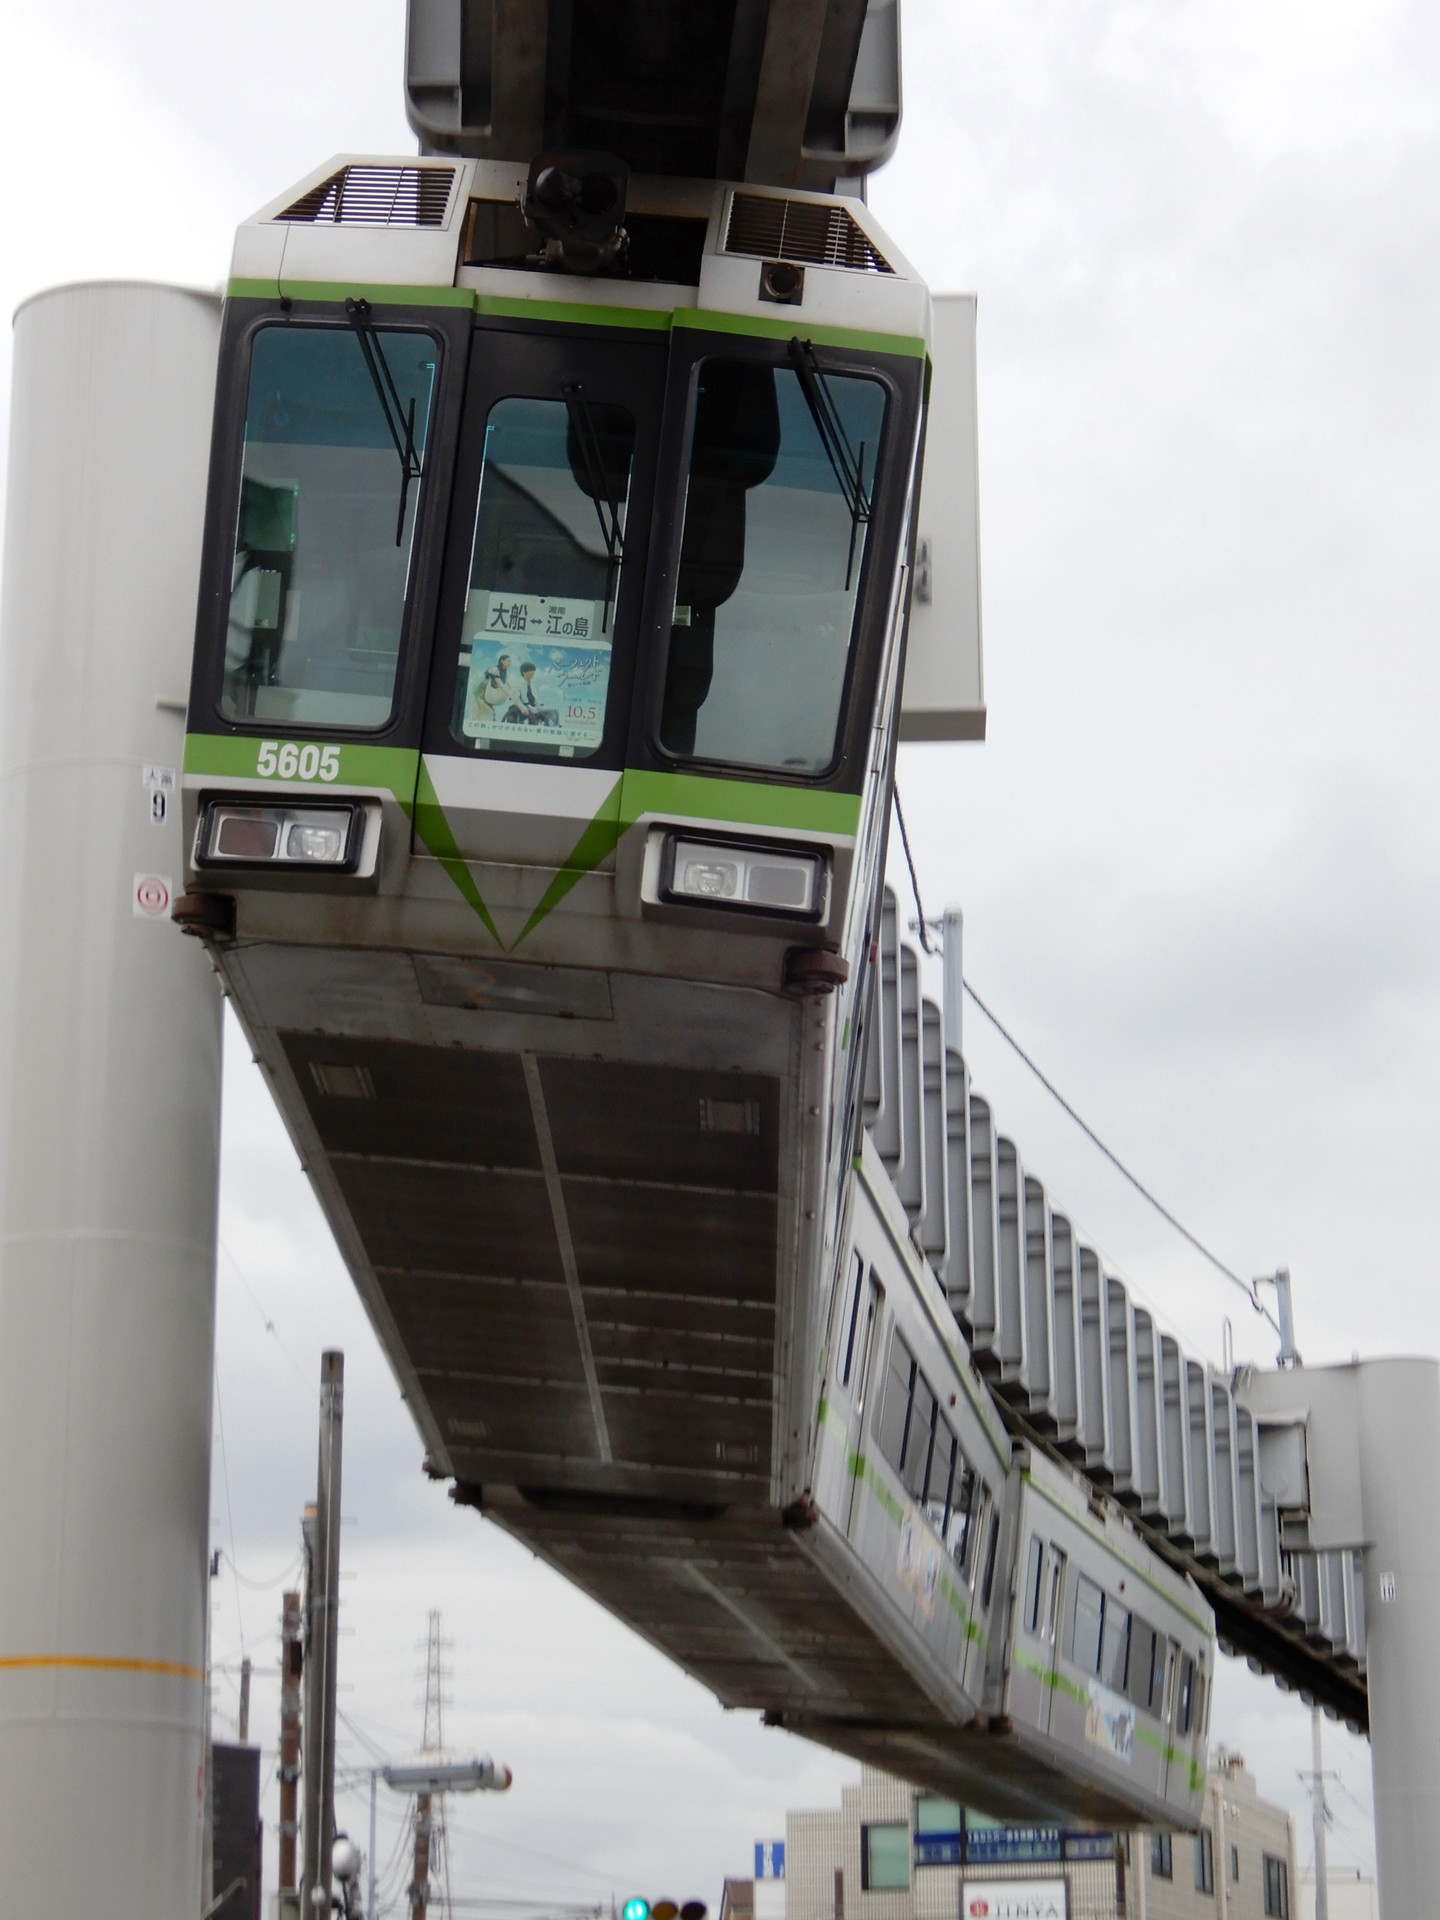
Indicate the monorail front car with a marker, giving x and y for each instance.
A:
(537, 770)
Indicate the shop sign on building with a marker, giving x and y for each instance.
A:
(1013, 1900)
(769, 1859)
(1089, 1846)
(937, 1849)
(1011, 1846)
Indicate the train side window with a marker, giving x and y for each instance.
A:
(1202, 1703)
(1034, 1559)
(1146, 1674)
(987, 1585)
(1057, 1587)
(916, 1461)
(1089, 1625)
(533, 670)
(941, 1478)
(874, 1295)
(326, 522)
(848, 1363)
(966, 1501)
(1115, 1646)
(1185, 1703)
(782, 465)
(893, 1425)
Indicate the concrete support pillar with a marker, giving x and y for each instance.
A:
(1372, 1462)
(1398, 1411)
(109, 1116)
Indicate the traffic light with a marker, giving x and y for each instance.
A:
(639, 1909)
(636, 1909)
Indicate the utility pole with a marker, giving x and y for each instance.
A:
(952, 939)
(1222, 1831)
(1318, 1813)
(322, 1644)
(245, 1701)
(292, 1660)
(370, 1891)
(420, 1873)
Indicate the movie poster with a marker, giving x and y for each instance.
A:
(539, 669)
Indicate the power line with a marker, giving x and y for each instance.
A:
(1247, 1287)
(229, 1508)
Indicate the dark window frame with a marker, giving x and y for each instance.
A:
(1162, 1856)
(516, 531)
(451, 329)
(1205, 1861)
(1034, 1580)
(848, 1365)
(519, 359)
(867, 1880)
(1275, 1875)
(903, 378)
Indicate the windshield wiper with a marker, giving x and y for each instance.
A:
(599, 482)
(847, 465)
(399, 420)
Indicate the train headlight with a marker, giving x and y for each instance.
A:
(766, 879)
(323, 844)
(233, 835)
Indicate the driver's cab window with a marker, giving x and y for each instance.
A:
(777, 509)
(337, 423)
(533, 671)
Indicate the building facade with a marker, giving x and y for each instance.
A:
(1353, 1895)
(1239, 1866)
(888, 1852)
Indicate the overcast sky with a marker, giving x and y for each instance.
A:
(1197, 854)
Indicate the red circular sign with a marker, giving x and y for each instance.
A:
(152, 896)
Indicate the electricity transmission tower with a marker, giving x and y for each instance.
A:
(432, 1854)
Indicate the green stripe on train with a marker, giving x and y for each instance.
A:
(335, 292)
(232, 756)
(755, 326)
(1057, 1682)
(635, 792)
(575, 313)
(860, 1469)
(1110, 1547)
(742, 803)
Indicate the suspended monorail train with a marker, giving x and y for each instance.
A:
(537, 771)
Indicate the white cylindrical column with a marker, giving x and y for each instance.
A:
(109, 1115)
(1398, 1409)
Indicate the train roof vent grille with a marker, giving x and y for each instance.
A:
(802, 230)
(362, 196)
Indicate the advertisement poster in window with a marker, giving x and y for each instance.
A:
(1110, 1724)
(539, 670)
(918, 1563)
(1013, 1900)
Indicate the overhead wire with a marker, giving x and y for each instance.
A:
(264, 1586)
(255, 1301)
(1248, 1287)
(229, 1508)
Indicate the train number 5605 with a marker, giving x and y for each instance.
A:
(285, 760)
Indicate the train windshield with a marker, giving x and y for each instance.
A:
(776, 513)
(549, 543)
(336, 427)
